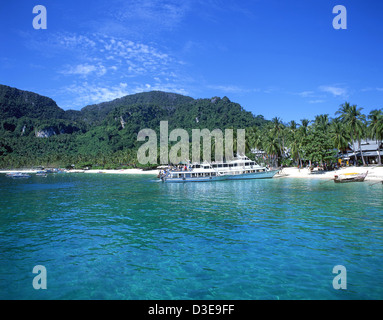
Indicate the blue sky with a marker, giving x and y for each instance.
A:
(276, 58)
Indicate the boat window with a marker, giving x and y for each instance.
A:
(225, 165)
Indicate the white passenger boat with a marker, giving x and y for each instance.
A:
(237, 169)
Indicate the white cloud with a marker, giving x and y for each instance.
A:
(73, 41)
(103, 68)
(316, 101)
(151, 15)
(84, 70)
(86, 93)
(167, 87)
(231, 89)
(94, 54)
(306, 94)
(371, 89)
(334, 90)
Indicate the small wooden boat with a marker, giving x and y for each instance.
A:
(350, 177)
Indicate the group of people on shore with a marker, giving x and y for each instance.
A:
(322, 167)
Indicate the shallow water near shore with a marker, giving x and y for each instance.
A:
(128, 237)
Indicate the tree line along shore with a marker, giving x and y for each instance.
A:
(34, 131)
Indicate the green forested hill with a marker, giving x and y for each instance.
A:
(35, 131)
(18, 103)
(97, 112)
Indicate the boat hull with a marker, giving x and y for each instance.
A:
(348, 180)
(244, 176)
(256, 175)
(197, 179)
(359, 178)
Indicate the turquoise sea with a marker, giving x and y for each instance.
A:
(126, 237)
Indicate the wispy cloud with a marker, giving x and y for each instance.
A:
(336, 91)
(226, 88)
(97, 52)
(84, 70)
(306, 94)
(168, 87)
(316, 101)
(311, 96)
(86, 93)
(150, 15)
(101, 63)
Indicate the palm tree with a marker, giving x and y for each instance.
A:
(294, 141)
(338, 135)
(277, 130)
(322, 122)
(376, 129)
(251, 136)
(302, 134)
(353, 118)
(271, 146)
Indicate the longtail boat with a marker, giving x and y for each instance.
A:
(350, 177)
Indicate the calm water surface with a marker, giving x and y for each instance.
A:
(126, 237)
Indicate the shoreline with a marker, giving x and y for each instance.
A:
(98, 171)
(374, 173)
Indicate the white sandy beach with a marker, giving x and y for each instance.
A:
(374, 173)
(122, 171)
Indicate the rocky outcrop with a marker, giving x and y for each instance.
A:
(122, 122)
(45, 133)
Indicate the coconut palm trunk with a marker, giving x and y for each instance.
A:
(361, 154)
(360, 150)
